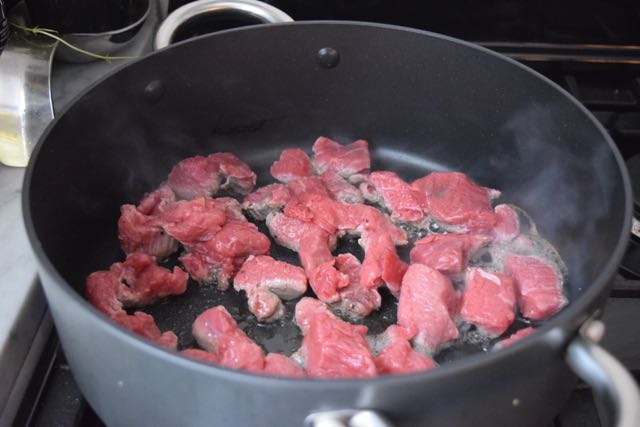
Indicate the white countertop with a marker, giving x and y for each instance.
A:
(17, 262)
(24, 322)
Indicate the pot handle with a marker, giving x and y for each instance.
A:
(613, 386)
(347, 418)
(261, 12)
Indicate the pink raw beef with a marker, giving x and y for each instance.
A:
(136, 282)
(397, 356)
(195, 177)
(310, 186)
(266, 281)
(267, 199)
(236, 175)
(489, 301)
(217, 332)
(515, 337)
(314, 247)
(282, 366)
(144, 325)
(319, 210)
(381, 262)
(340, 189)
(331, 347)
(427, 304)
(351, 161)
(201, 355)
(454, 199)
(192, 221)
(359, 219)
(447, 253)
(140, 228)
(355, 299)
(292, 164)
(378, 237)
(221, 257)
(157, 201)
(200, 176)
(507, 223)
(232, 208)
(406, 203)
(139, 232)
(538, 286)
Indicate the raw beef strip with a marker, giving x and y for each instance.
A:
(292, 164)
(222, 256)
(427, 303)
(201, 355)
(447, 253)
(359, 219)
(312, 203)
(309, 186)
(355, 299)
(538, 286)
(316, 209)
(143, 281)
(266, 280)
(378, 239)
(157, 201)
(515, 337)
(507, 223)
(290, 232)
(143, 233)
(397, 356)
(265, 200)
(319, 265)
(350, 161)
(217, 332)
(192, 221)
(381, 263)
(454, 199)
(135, 282)
(195, 177)
(144, 325)
(232, 208)
(314, 247)
(282, 366)
(406, 203)
(340, 189)
(236, 174)
(488, 301)
(331, 347)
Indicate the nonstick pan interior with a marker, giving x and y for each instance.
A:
(411, 96)
(283, 336)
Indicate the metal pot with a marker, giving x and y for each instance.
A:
(101, 27)
(424, 102)
(221, 14)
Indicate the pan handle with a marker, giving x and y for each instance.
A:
(262, 13)
(613, 386)
(347, 418)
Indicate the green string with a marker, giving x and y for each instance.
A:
(53, 34)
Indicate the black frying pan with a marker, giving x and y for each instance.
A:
(424, 102)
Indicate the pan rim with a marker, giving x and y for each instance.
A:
(554, 333)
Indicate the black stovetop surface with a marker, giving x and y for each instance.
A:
(606, 81)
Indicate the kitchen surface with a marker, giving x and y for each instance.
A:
(591, 49)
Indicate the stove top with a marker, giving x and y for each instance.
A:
(590, 48)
